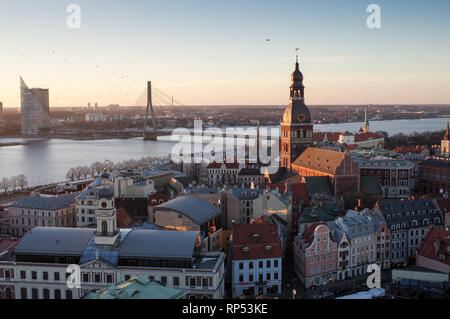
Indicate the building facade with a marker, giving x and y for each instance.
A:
(434, 177)
(396, 177)
(315, 256)
(408, 222)
(256, 260)
(29, 212)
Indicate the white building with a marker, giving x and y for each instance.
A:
(256, 260)
(106, 255)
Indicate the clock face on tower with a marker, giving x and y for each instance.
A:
(301, 118)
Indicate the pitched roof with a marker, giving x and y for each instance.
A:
(360, 137)
(197, 209)
(319, 159)
(331, 136)
(46, 203)
(436, 245)
(318, 184)
(308, 234)
(244, 235)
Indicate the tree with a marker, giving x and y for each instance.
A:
(97, 167)
(22, 181)
(13, 183)
(71, 174)
(84, 171)
(4, 184)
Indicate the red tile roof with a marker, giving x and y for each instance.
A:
(430, 249)
(227, 165)
(243, 236)
(360, 137)
(308, 234)
(444, 205)
(331, 136)
(123, 218)
(6, 244)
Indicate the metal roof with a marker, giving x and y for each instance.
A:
(47, 203)
(197, 209)
(159, 244)
(55, 241)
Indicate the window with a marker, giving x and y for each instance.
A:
(164, 280)
(46, 294)
(205, 282)
(57, 294)
(250, 265)
(33, 275)
(241, 265)
(268, 264)
(261, 265)
(56, 276)
(275, 276)
(85, 277)
(275, 263)
(97, 278)
(23, 293)
(176, 281)
(69, 294)
(250, 278)
(127, 277)
(268, 276)
(109, 278)
(23, 274)
(34, 293)
(192, 282)
(241, 278)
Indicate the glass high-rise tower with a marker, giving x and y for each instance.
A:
(34, 108)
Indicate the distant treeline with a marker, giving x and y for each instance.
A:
(424, 138)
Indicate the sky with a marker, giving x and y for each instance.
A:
(208, 52)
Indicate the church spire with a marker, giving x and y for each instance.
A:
(447, 133)
(366, 121)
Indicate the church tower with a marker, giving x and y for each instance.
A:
(366, 121)
(296, 127)
(105, 213)
(445, 143)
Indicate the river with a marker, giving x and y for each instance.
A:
(47, 161)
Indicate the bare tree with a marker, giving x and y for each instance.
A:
(22, 181)
(84, 171)
(77, 172)
(4, 184)
(97, 167)
(13, 183)
(71, 174)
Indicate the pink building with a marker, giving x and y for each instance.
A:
(315, 256)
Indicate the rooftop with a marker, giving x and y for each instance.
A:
(197, 209)
(46, 203)
(256, 241)
(137, 288)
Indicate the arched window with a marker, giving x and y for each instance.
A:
(104, 228)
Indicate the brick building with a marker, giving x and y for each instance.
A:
(339, 166)
(434, 177)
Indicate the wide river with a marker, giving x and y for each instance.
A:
(47, 161)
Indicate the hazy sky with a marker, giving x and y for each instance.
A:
(215, 52)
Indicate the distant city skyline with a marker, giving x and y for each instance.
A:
(232, 53)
